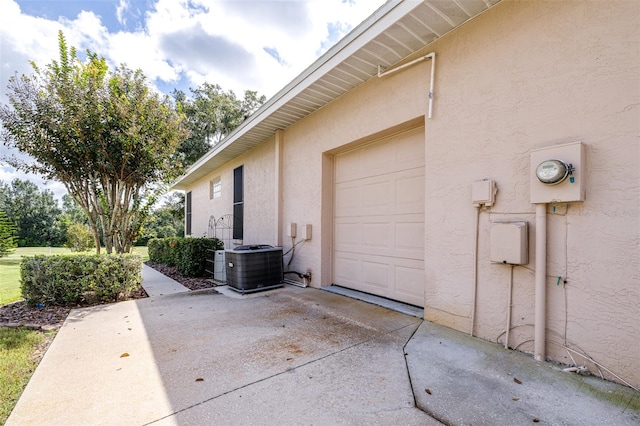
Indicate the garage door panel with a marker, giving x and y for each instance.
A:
(394, 193)
(409, 237)
(379, 218)
(377, 195)
(376, 235)
(375, 274)
(390, 236)
(347, 270)
(372, 274)
(348, 235)
(409, 189)
(396, 153)
(406, 146)
(410, 283)
(348, 199)
(375, 157)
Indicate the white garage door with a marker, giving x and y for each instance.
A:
(379, 218)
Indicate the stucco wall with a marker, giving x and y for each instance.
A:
(353, 119)
(527, 75)
(259, 196)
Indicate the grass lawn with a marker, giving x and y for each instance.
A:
(10, 268)
(17, 364)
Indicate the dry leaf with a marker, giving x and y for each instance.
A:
(535, 420)
(517, 381)
(516, 399)
(428, 391)
(126, 354)
(199, 379)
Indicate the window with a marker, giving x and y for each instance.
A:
(238, 204)
(188, 214)
(215, 188)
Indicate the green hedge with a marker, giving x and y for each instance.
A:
(188, 255)
(72, 280)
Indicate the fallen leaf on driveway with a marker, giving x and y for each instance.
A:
(428, 391)
(199, 379)
(517, 381)
(126, 354)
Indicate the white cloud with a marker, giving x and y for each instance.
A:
(240, 45)
(121, 9)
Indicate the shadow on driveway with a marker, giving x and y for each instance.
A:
(288, 356)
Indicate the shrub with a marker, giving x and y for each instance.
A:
(188, 255)
(157, 250)
(72, 280)
(79, 238)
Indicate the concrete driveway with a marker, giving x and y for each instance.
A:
(289, 356)
(294, 356)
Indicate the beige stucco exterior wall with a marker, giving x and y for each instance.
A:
(259, 196)
(523, 76)
(527, 75)
(353, 119)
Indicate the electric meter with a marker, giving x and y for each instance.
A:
(552, 172)
(558, 181)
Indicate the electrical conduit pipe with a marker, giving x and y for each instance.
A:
(540, 287)
(431, 56)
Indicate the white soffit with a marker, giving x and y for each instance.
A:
(395, 31)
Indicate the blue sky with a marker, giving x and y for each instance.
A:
(239, 44)
(107, 10)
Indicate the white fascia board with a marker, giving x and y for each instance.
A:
(370, 28)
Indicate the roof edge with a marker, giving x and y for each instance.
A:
(391, 10)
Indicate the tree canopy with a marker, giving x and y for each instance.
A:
(105, 134)
(34, 213)
(7, 235)
(212, 114)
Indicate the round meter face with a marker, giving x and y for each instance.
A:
(552, 172)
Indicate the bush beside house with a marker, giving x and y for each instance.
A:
(73, 280)
(188, 255)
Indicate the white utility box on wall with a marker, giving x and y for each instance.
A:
(557, 174)
(509, 243)
(483, 192)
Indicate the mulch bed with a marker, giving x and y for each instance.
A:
(197, 283)
(19, 314)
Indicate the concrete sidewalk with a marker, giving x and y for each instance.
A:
(157, 284)
(294, 356)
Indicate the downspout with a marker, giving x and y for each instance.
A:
(431, 56)
(509, 307)
(475, 271)
(540, 278)
(279, 136)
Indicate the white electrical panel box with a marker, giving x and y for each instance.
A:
(557, 174)
(483, 192)
(291, 230)
(509, 242)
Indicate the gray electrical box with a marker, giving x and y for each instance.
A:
(509, 242)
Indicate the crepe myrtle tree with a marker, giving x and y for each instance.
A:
(103, 133)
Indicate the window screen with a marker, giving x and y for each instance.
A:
(238, 203)
(188, 213)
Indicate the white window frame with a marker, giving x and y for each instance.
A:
(215, 188)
